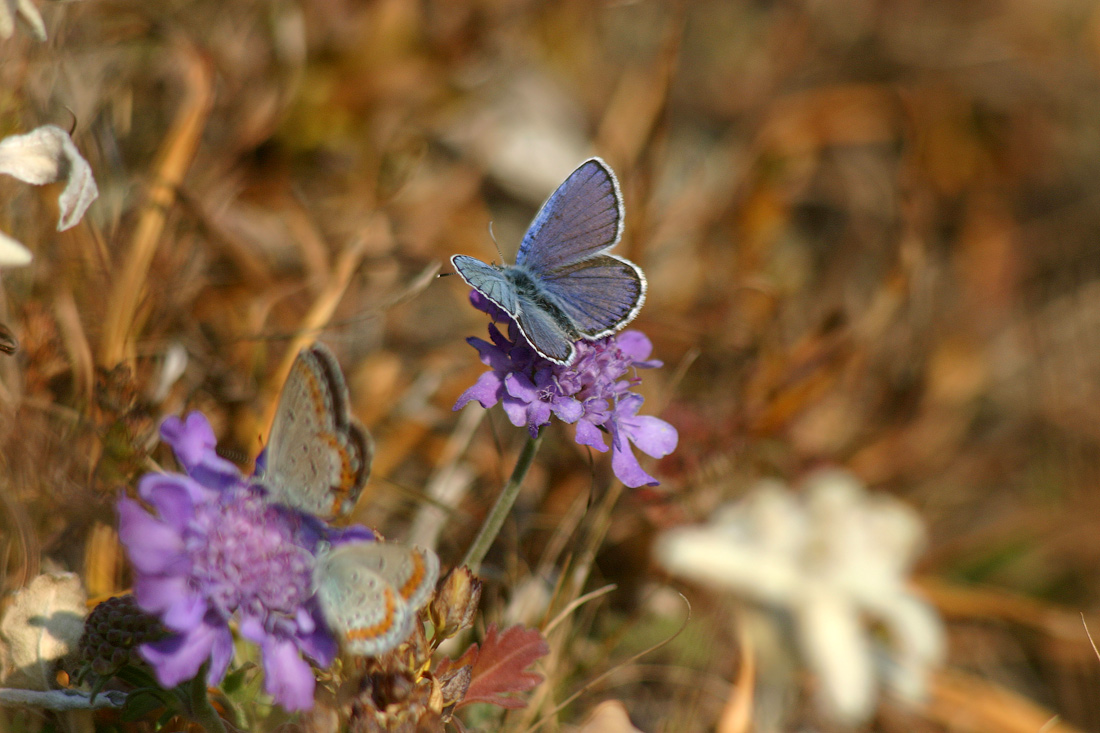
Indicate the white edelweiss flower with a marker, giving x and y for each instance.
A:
(46, 155)
(26, 10)
(827, 560)
(835, 646)
(746, 549)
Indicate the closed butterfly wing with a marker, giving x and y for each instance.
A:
(413, 571)
(370, 593)
(488, 280)
(317, 458)
(359, 605)
(547, 329)
(599, 295)
(582, 218)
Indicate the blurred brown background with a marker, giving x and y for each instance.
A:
(870, 231)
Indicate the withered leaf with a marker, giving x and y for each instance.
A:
(497, 667)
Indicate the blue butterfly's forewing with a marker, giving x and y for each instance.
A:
(488, 280)
(582, 218)
(599, 294)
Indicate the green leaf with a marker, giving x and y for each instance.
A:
(236, 679)
(140, 704)
(137, 677)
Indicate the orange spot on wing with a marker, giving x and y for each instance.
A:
(349, 476)
(417, 577)
(380, 628)
(315, 391)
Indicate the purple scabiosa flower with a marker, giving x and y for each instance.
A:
(593, 393)
(214, 548)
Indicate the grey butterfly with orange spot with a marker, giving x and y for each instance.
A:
(316, 461)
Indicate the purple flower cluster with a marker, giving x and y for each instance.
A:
(214, 549)
(592, 393)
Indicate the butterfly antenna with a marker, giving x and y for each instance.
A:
(494, 238)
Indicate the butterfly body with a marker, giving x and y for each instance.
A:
(529, 290)
(564, 286)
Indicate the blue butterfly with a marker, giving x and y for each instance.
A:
(564, 286)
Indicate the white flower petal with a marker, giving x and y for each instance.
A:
(12, 253)
(30, 14)
(917, 644)
(78, 195)
(837, 652)
(46, 155)
(34, 157)
(897, 529)
(777, 518)
(708, 556)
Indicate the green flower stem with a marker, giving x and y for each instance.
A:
(202, 712)
(507, 498)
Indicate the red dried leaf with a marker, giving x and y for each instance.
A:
(498, 667)
(468, 659)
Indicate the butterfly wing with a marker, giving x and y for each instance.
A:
(546, 328)
(318, 457)
(582, 218)
(365, 611)
(370, 592)
(599, 295)
(488, 280)
(413, 571)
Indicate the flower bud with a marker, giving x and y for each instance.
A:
(112, 634)
(455, 603)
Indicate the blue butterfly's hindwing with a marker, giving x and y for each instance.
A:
(599, 295)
